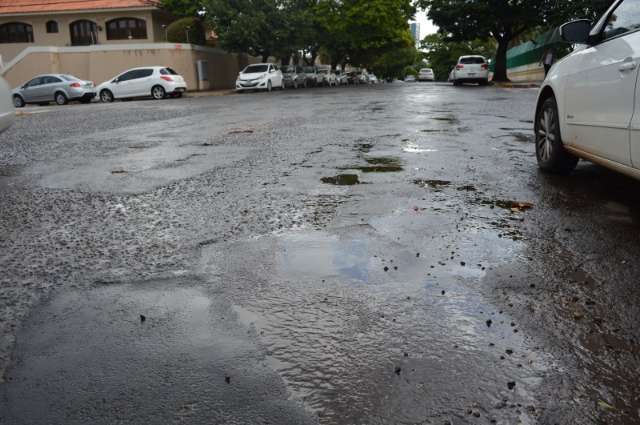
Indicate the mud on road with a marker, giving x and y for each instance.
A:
(369, 255)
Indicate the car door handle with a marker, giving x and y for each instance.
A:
(628, 66)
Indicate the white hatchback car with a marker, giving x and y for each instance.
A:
(588, 106)
(155, 81)
(260, 76)
(426, 74)
(470, 69)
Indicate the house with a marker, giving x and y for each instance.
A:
(26, 23)
(97, 39)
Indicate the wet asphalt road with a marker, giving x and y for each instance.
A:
(367, 255)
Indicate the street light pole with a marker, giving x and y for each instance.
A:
(187, 28)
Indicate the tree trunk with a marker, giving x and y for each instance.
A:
(265, 57)
(500, 69)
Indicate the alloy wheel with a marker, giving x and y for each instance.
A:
(546, 133)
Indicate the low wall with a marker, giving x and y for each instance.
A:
(100, 63)
(533, 72)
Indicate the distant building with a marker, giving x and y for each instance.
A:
(414, 27)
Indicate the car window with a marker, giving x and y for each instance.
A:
(69, 78)
(35, 82)
(472, 61)
(254, 69)
(127, 76)
(168, 71)
(624, 19)
(143, 73)
(51, 80)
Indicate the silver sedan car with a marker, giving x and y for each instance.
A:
(58, 88)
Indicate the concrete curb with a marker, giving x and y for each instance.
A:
(513, 85)
(209, 93)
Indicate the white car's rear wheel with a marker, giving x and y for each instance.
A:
(550, 152)
(158, 92)
(18, 101)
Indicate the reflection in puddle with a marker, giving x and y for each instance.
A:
(414, 148)
(342, 180)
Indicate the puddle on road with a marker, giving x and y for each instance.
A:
(378, 165)
(342, 180)
(434, 184)
(415, 148)
(449, 119)
(361, 333)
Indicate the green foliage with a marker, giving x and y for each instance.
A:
(393, 63)
(183, 8)
(365, 33)
(177, 31)
(442, 54)
(503, 20)
(256, 27)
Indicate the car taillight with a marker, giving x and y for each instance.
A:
(75, 85)
(485, 66)
(459, 66)
(166, 78)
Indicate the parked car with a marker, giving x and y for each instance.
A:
(342, 78)
(58, 88)
(314, 78)
(470, 69)
(157, 82)
(294, 76)
(373, 79)
(409, 79)
(328, 77)
(7, 113)
(260, 76)
(353, 78)
(587, 106)
(426, 74)
(364, 77)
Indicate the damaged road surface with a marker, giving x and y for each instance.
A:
(396, 258)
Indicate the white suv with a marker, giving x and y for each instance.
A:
(155, 81)
(470, 69)
(588, 106)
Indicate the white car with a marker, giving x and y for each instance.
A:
(588, 106)
(155, 81)
(426, 74)
(373, 79)
(7, 113)
(470, 69)
(260, 76)
(328, 77)
(409, 79)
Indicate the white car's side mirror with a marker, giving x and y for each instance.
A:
(576, 32)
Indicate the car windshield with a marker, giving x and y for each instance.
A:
(472, 60)
(69, 78)
(254, 69)
(168, 71)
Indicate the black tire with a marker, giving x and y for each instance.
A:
(18, 101)
(457, 83)
(60, 98)
(158, 92)
(550, 152)
(106, 96)
(269, 86)
(484, 83)
(85, 100)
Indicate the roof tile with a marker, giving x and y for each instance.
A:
(15, 7)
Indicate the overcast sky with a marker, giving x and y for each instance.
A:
(426, 26)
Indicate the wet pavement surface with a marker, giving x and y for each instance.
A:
(368, 255)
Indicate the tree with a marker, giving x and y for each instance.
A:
(183, 8)
(186, 30)
(504, 20)
(442, 54)
(256, 27)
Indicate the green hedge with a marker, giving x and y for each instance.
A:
(177, 31)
